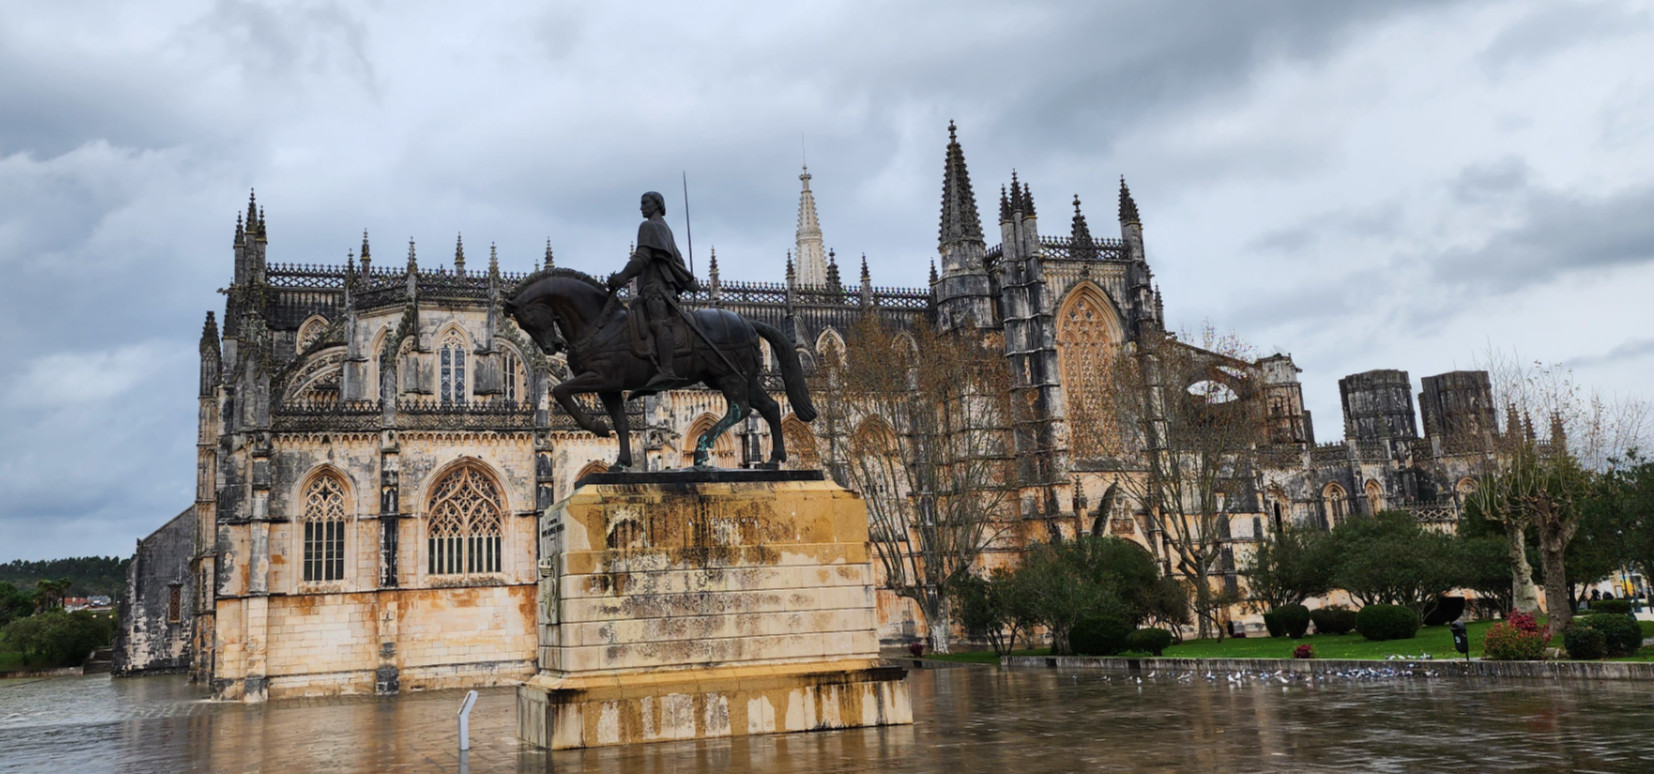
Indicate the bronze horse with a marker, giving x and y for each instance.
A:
(568, 309)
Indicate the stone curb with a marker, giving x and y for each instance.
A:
(58, 672)
(1571, 670)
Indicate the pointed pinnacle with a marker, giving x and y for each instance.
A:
(864, 275)
(240, 235)
(549, 262)
(252, 207)
(493, 258)
(262, 231)
(364, 243)
(933, 271)
(412, 260)
(1128, 207)
(1027, 201)
(1004, 205)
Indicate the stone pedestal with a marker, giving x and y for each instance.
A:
(690, 605)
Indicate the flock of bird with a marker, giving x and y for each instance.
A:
(1282, 676)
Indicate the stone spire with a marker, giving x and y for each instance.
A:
(367, 262)
(209, 333)
(1128, 207)
(866, 283)
(1081, 245)
(933, 271)
(792, 276)
(459, 255)
(964, 294)
(812, 264)
(252, 208)
(1027, 202)
(834, 283)
(263, 233)
(960, 222)
(714, 287)
(549, 262)
(240, 236)
(493, 260)
(1004, 206)
(413, 260)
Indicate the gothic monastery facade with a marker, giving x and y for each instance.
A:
(375, 442)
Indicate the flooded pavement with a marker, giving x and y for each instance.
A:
(969, 720)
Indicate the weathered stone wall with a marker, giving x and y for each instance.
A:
(150, 639)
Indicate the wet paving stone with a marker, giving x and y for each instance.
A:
(969, 720)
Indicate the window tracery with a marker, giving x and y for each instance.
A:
(1337, 504)
(511, 375)
(465, 521)
(324, 529)
(453, 368)
(1088, 331)
(1375, 497)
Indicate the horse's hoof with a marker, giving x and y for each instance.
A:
(620, 467)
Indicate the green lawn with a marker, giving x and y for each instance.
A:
(1435, 640)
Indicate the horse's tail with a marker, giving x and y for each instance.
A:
(792, 373)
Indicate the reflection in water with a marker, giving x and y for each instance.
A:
(969, 720)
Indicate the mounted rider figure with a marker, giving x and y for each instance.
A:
(661, 277)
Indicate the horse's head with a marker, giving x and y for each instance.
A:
(537, 320)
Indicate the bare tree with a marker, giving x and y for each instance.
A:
(1186, 419)
(916, 423)
(1541, 484)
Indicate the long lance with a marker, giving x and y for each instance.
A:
(688, 228)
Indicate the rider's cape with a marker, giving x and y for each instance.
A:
(655, 234)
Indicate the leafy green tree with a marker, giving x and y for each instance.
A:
(1486, 562)
(90, 575)
(991, 608)
(1288, 567)
(58, 638)
(1389, 558)
(15, 603)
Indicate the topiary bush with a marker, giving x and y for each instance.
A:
(1295, 618)
(1333, 620)
(1612, 606)
(1517, 638)
(1387, 622)
(1153, 641)
(1584, 643)
(1622, 634)
(1273, 624)
(1099, 636)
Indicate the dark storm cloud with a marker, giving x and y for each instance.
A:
(130, 133)
(1557, 234)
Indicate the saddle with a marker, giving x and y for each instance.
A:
(716, 323)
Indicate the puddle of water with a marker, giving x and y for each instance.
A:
(969, 720)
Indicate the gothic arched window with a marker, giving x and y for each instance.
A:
(1375, 497)
(324, 529)
(1088, 334)
(453, 368)
(1337, 504)
(802, 453)
(465, 520)
(511, 374)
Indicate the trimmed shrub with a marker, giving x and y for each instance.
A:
(1287, 621)
(1305, 650)
(1333, 620)
(1273, 624)
(1153, 641)
(1099, 636)
(1584, 643)
(1621, 633)
(1446, 610)
(1517, 638)
(1611, 606)
(1387, 622)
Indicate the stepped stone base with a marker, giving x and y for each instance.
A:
(702, 607)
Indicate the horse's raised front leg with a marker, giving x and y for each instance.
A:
(584, 383)
(616, 407)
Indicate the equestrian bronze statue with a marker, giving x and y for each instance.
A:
(655, 345)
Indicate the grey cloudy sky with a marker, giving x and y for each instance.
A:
(1361, 184)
